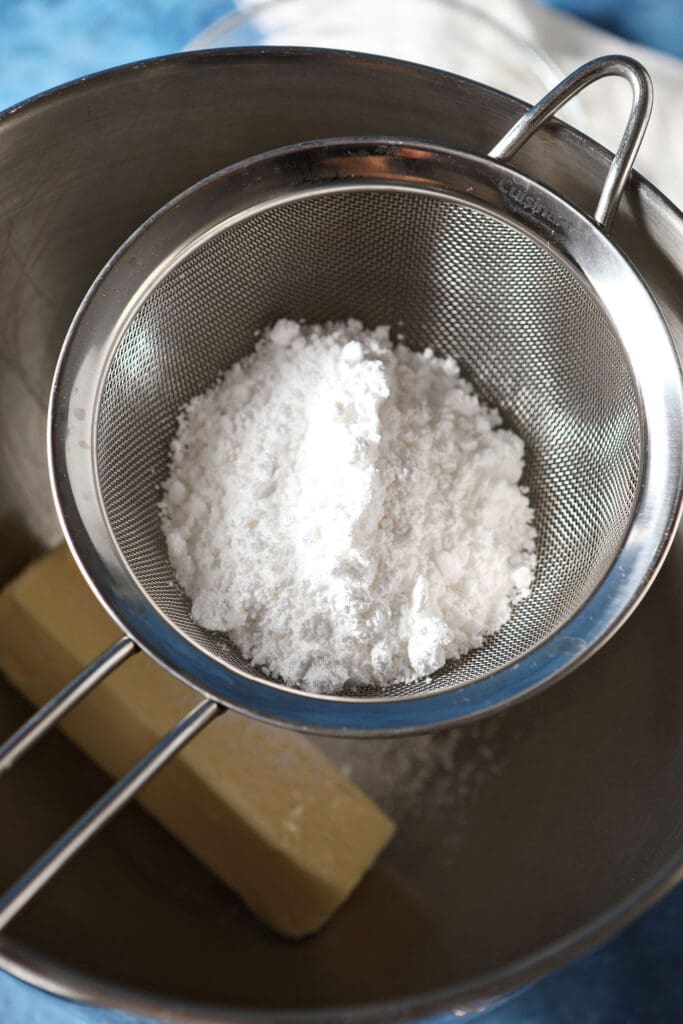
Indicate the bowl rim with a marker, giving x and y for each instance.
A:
(485, 990)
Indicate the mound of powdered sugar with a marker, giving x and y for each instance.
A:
(346, 509)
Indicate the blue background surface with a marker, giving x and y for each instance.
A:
(638, 978)
(657, 23)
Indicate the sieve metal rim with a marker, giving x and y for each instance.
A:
(475, 181)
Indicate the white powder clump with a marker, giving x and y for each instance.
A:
(347, 510)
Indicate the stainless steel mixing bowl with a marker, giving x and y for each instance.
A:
(580, 828)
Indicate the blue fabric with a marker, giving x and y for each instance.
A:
(46, 42)
(657, 23)
(638, 978)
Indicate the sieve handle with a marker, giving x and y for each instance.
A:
(641, 107)
(37, 876)
(38, 724)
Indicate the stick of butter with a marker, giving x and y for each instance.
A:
(261, 806)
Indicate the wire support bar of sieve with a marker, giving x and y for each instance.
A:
(639, 116)
(33, 880)
(73, 693)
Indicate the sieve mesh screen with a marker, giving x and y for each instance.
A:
(527, 333)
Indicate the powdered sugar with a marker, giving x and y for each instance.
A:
(426, 780)
(346, 509)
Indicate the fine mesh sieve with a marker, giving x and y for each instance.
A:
(462, 254)
(525, 329)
